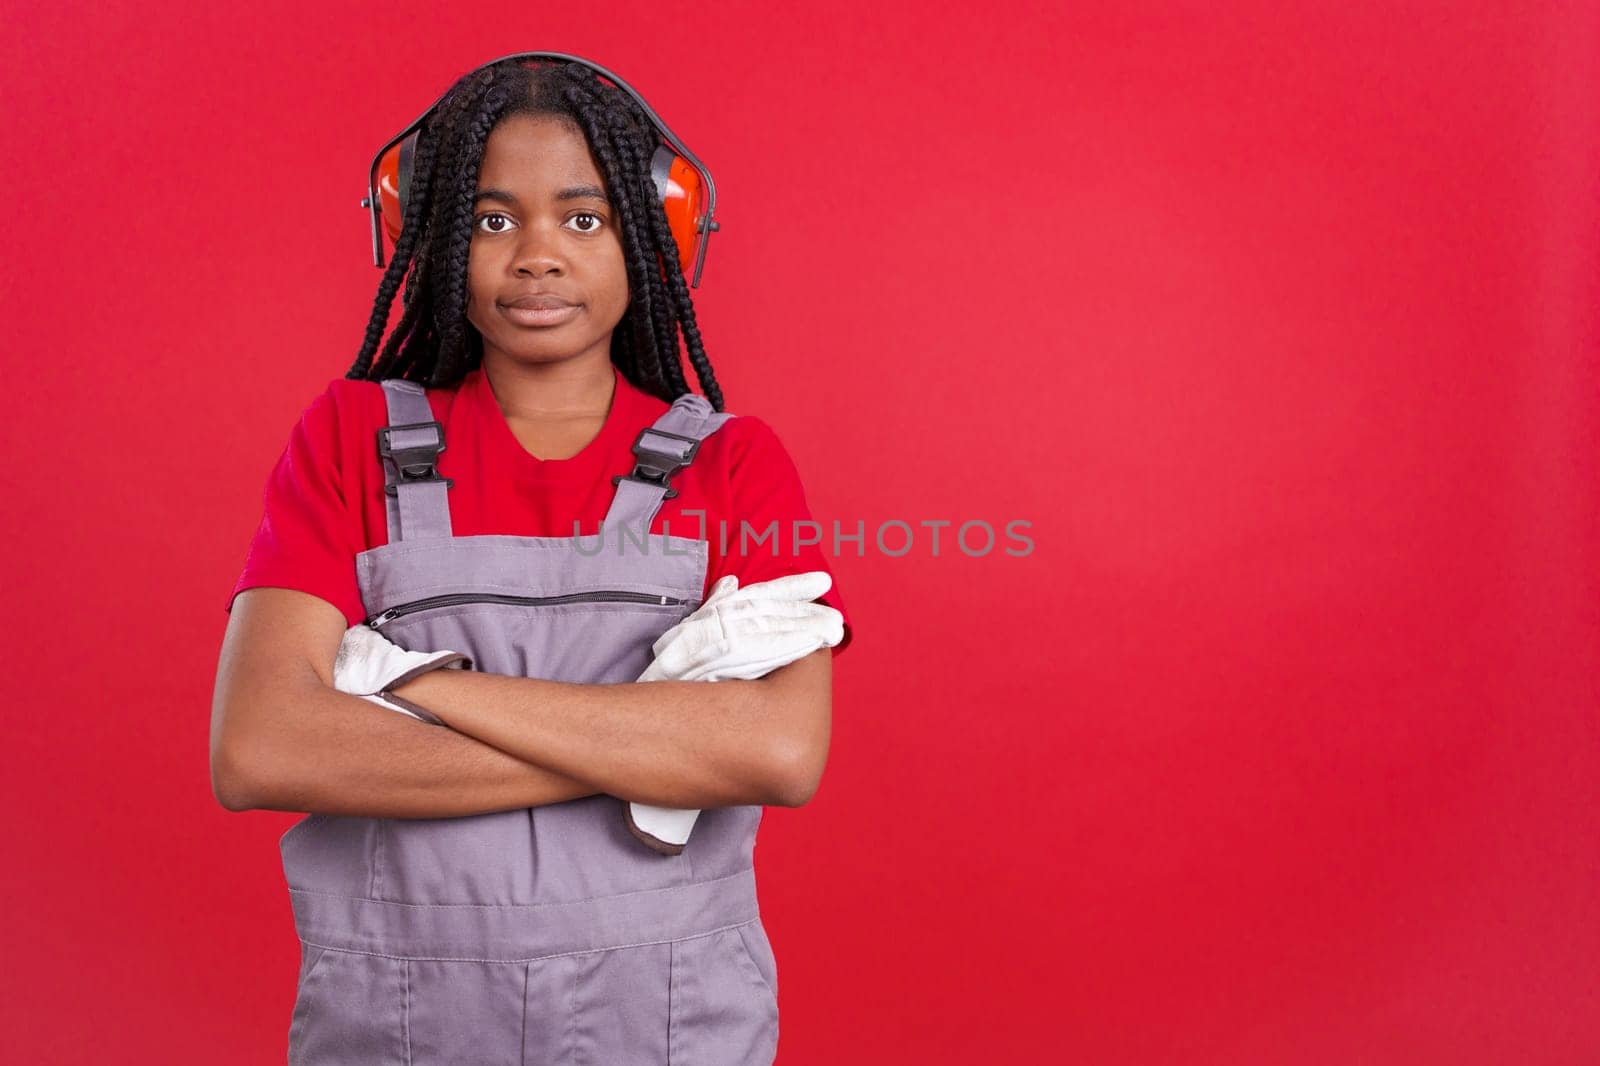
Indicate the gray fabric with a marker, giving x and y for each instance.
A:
(418, 511)
(549, 934)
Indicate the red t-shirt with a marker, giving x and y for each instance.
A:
(324, 501)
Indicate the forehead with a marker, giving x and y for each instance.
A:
(532, 151)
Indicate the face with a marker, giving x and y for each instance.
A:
(543, 227)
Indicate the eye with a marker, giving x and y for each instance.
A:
(477, 222)
(597, 219)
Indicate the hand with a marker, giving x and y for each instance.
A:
(734, 634)
(369, 665)
(748, 633)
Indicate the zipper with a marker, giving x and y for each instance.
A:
(608, 596)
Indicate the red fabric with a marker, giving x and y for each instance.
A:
(324, 501)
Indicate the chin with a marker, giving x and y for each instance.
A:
(542, 353)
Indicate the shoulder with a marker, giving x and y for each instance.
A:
(336, 428)
(751, 450)
(742, 431)
(750, 434)
(347, 394)
(347, 398)
(357, 407)
(735, 439)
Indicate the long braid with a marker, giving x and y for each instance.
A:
(683, 306)
(680, 307)
(392, 275)
(412, 229)
(434, 343)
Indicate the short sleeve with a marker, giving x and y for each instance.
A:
(770, 532)
(309, 534)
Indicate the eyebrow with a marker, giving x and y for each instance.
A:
(571, 192)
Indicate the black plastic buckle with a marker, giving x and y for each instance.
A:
(416, 463)
(656, 468)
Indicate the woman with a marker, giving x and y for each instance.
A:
(478, 891)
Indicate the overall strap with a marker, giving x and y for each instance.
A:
(408, 448)
(663, 449)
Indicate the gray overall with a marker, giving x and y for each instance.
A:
(550, 934)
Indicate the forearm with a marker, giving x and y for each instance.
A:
(682, 744)
(332, 753)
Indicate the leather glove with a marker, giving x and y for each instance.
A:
(736, 633)
(369, 664)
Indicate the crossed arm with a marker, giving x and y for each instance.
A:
(687, 744)
(282, 738)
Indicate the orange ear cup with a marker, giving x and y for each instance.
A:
(389, 188)
(683, 194)
(684, 199)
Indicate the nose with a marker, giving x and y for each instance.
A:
(538, 252)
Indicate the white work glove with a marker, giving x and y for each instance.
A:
(369, 664)
(747, 633)
(736, 633)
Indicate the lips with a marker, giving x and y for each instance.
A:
(542, 316)
(538, 301)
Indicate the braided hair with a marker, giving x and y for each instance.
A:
(434, 343)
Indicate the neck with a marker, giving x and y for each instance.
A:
(551, 390)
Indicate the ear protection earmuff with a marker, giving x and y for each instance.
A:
(683, 183)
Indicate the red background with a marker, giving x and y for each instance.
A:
(1280, 326)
